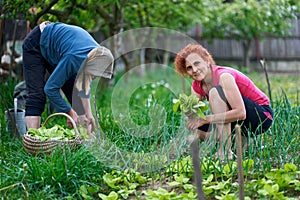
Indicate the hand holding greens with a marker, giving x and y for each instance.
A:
(190, 104)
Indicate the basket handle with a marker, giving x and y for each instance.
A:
(66, 115)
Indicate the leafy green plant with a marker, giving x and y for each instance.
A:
(178, 180)
(190, 104)
(283, 177)
(161, 193)
(123, 184)
(111, 196)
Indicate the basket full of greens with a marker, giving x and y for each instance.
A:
(45, 140)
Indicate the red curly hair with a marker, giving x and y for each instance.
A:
(180, 66)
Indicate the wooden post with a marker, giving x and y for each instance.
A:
(195, 151)
(240, 161)
(264, 66)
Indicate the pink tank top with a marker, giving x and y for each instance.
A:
(245, 85)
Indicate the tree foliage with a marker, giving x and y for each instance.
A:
(177, 15)
(244, 20)
(240, 19)
(108, 14)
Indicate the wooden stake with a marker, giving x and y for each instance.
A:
(264, 66)
(240, 161)
(195, 152)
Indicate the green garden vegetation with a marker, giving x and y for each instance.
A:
(190, 104)
(271, 162)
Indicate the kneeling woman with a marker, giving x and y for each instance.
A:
(232, 96)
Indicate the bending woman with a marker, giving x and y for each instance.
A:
(68, 53)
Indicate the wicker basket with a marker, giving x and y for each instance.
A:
(36, 146)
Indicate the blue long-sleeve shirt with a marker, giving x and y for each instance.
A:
(65, 47)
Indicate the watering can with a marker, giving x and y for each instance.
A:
(19, 117)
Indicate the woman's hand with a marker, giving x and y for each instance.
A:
(87, 122)
(74, 116)
(92, 125)
(193, 121)
(90, 120)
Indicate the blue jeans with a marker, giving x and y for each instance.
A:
(35, 67)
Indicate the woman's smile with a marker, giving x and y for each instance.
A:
(197, 75)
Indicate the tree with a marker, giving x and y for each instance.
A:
(174, 15)
(109, 16)
(246, 20)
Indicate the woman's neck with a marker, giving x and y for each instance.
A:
(208, 80)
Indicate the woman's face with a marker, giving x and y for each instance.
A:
(196, 67)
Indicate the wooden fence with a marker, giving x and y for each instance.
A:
(278, 50)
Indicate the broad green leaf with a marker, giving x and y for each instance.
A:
(112, 196)
(33, 132)
(181, 179)
(201, 114)
(111, 180)
(176, 107)
(173, 183)
(190, 195)
(141, 179)
(189, 187)
(208, 180)
(248, 164)
(289, 167)
(207, 190)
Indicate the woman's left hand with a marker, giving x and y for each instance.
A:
(91, 121)
(87, 122)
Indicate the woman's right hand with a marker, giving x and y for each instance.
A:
(193, 121)
(74, 116)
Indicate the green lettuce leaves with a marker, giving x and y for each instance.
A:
(56, 132)
(190, 104)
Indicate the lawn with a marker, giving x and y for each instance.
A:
(143, 149)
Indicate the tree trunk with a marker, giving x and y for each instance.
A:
(166, 56)
(246, 52)
(142, 68)
(12, 57)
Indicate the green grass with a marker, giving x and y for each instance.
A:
(57, 175)
(79, 174)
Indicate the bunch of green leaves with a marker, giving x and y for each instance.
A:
(122, 184)
(57, 132)
(190, 104)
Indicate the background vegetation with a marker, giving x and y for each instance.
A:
(271, 163)
(238, 19)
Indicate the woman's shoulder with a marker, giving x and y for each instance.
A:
(223, 69)
(220, 70)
